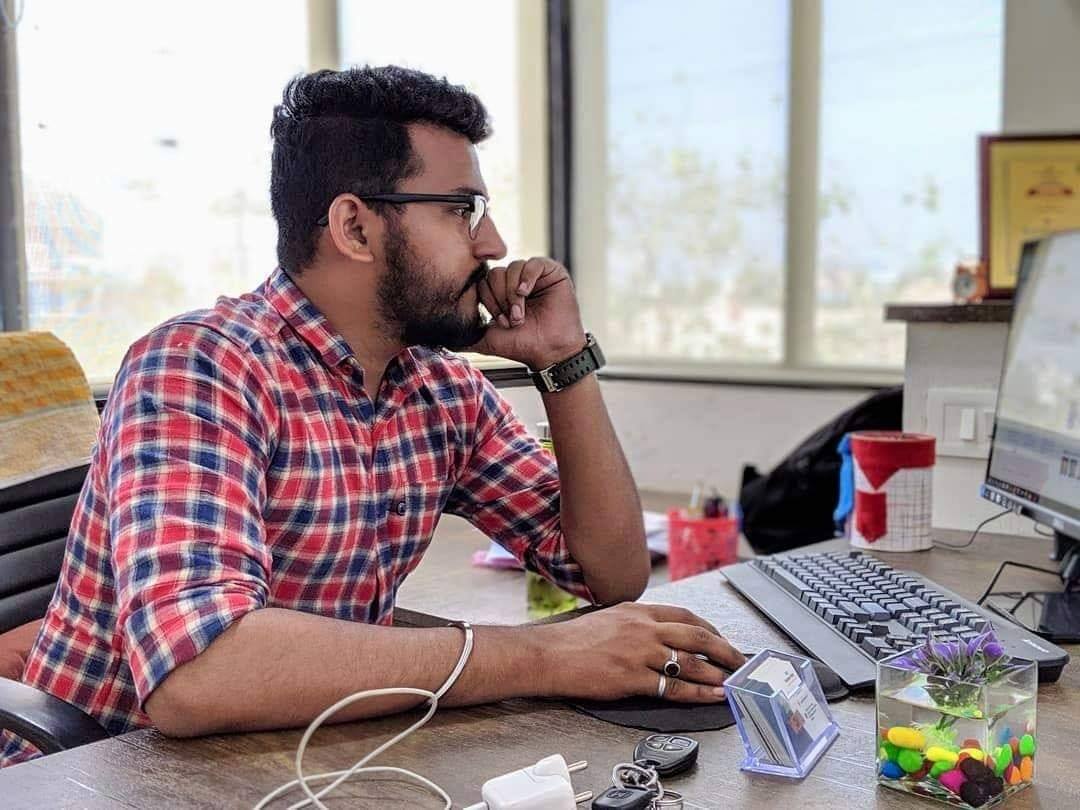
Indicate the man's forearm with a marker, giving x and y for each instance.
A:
(277, 668)
(601, 511)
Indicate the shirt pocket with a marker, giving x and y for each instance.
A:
(413, 513)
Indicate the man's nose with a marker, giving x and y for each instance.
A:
(489, 244)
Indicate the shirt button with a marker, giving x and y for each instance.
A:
(400, 508)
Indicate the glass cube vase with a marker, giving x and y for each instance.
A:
(966, 744)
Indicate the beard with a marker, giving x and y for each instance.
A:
(420, 310)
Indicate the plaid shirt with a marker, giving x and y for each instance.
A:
(241, 465)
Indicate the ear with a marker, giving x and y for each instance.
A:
(354, 228)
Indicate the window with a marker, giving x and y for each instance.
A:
(905, 90)
(695, 113)
(146, 160)
(495, 48)
(684, 124)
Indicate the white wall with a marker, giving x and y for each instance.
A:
(675, 434)
(1042, 66)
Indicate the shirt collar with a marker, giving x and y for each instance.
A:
(304, 317)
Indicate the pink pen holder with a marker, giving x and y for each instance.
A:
(696, 545)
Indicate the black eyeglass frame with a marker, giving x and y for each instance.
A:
(477, 205)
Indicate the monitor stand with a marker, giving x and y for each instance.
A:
(1054, 615)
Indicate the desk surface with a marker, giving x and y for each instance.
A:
(461, 748)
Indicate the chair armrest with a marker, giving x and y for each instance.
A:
(45, 721)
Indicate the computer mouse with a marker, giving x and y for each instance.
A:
(831, 686)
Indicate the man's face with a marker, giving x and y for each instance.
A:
(428, 290)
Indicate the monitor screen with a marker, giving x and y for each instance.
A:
(1035, 457)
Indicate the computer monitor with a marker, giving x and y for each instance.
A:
(1034, 465)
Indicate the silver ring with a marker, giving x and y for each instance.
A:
(661, 687)
(672, 667)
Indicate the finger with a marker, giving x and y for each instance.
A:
(496, 279)
(680, 691)
(695, 639)
(491, 303)
(515, 301)
(671, 613)
(692, 668)
(530, 274)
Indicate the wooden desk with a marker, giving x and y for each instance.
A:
(462, 748)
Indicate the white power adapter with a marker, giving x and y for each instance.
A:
(543, 786)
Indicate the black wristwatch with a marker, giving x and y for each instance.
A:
(565, 373)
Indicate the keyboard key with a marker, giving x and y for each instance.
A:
(789, 582)
(894, 608)
(877, 647)
(832, 615)
(855, 611)
(878, 628)
(915, 603)
(857, 634)
(876, 611)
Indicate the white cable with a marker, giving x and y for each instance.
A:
(359, 767)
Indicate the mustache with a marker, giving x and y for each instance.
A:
(478, 275)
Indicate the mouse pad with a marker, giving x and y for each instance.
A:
(654, 714)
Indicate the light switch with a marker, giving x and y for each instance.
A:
(966, 430)
(962, 419)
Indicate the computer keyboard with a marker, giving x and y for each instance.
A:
(850, 610)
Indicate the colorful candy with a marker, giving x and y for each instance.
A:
(935, 753)
(953, 780)
(1002, 759)
(1027, 746)
(974, 753)
(975, 793)
(891, 751)
(904, 737)
(1027, 768)
(1012, 775)
(910, 761)
(890, 770)
(943, 766)
(973, 769)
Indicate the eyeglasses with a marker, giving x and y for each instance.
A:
(475, 205)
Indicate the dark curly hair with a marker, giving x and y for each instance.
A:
(345, 130)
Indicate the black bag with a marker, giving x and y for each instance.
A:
(793, 505)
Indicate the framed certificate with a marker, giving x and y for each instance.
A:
(1029, 187)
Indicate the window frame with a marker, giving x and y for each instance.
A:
(797, 363)
(570, 171)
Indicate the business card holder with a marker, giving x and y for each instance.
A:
(780, 710)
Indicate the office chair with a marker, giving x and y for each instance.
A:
(34, 520)
(47, 423)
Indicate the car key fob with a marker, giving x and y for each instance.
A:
(624, 798)
(667, 754)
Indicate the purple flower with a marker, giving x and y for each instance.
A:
(976, 643)
(993, 649)
(906, 662)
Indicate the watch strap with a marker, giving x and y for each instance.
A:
(565, 373)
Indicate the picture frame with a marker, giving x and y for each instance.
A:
(1029, 186)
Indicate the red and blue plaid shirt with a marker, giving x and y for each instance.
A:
(242, 464)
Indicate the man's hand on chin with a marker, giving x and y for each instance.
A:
(535, 316)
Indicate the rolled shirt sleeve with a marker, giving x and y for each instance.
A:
(509, 489)
(190, 432)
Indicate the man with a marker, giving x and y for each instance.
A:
(269, 471)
